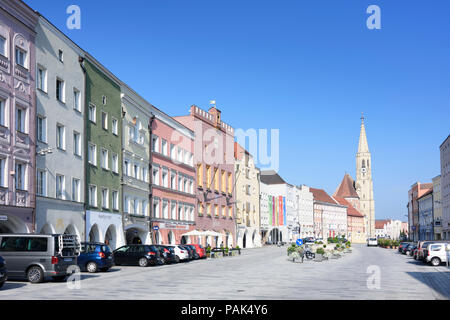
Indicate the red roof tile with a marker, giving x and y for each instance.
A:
(346, 189)
(351, 211)
(322, 196)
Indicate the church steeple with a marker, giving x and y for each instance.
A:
(363, 145)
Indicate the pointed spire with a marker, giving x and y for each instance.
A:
(363, 145)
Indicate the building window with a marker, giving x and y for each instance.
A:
(104, 100)
(156, 176)
(115, 126)
(156, 208)
(216, 179)
(165, 178)
(164, 147)
(115, 200)
(216, 210)
(180, 212)
(3, 116)
(180, 183)
(104, 159)
(76, 187)
(20, 176)
(166, 209)
(41, 81)
(230, 183)
(92, 156)
(200, 175)
(173, 179)
(41, 129)
(115, 163)
(208, 177)
(76, 100)
(60, 86)
(21, 57)
(60, 187)
(60, 137)
(104, 120)
(223, 182)
(180, 155)
(77, 143)
(2, 46)
(200, 209)
(20, 120)
(155, 144)
(173, 210)
(127, 204)
(136, 171)
(145, 174)
(60, 55)
(92, 113)
(93, 196)
(41, 182)
(144, 208)
(173, 152)
(136, 205)
(105, 198)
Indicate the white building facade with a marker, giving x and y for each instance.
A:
(60, 180)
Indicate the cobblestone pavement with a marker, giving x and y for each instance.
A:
(262, 273)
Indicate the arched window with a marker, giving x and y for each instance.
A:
(364, 163)
(367, 163)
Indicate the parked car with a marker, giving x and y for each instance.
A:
(372, 242)
(35, 257)
(410, 250)
(181, 254)
(201, 251)
(95, 256)
(140, 254)
(192, 253)
(414, 254)
(166, 254)
(436, 253)
(401, 245)
(422, 245)
(308, 240)
(194, 249)
(407, 248)
(3, 272)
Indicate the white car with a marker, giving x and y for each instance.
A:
(181, 254)
(372, 242)
(436, 253)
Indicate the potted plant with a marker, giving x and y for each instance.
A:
(319, 254)
(208, 252)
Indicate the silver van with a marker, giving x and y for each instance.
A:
(35, 257)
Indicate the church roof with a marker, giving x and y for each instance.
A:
(271, 177)
(346, 189)
(363, 146)
(351, 210)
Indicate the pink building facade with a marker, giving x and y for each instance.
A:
(173, 181)
(17, 117)
(214, 164)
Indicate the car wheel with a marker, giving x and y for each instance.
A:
(59, 278)
(91, 267)
(435, 262)
(408, 253)
(35, 275)
(177, 259)
(143, 262)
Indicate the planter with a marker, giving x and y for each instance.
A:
(318, 257)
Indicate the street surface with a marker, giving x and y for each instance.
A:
(262, 273)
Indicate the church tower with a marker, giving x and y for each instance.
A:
(364, 184)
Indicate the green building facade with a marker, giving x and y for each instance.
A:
(103, 149)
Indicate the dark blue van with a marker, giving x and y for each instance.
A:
(95, 256)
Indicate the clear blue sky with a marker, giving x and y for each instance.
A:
(308, 68)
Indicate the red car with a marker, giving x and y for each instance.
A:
(199, 249)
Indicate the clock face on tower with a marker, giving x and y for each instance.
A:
(363, 170)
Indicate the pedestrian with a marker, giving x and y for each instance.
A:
(221, 245)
